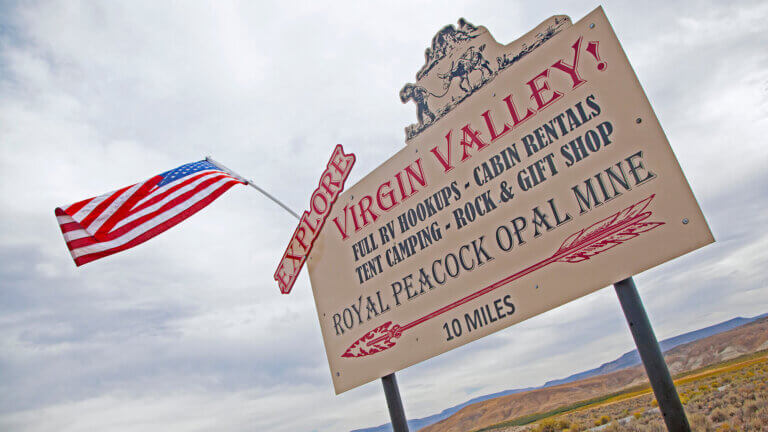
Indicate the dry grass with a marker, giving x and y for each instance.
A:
(729, 398)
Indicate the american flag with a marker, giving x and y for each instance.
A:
(119, 220)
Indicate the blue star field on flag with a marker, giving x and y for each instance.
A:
(185, 170)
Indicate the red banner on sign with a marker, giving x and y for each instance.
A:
(320, 203)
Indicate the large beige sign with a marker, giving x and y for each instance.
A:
(537, 173)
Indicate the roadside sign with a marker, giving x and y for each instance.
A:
(537, 173)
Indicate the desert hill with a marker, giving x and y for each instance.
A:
(719, 347)
(628, 359)
(632, 358)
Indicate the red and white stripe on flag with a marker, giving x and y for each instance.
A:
(119, 220)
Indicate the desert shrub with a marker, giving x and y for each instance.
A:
(724, 428)
(699, 422)
(718, 415)
(552, 425)
(756, 425)
(754, 407)
(715, 403)
(575, 427)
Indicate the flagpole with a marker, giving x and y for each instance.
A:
(251, 184)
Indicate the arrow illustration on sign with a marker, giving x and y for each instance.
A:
(580, 246)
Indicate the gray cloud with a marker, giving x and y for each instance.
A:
(188, 331)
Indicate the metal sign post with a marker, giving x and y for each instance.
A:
(653, 360)
(394, 403)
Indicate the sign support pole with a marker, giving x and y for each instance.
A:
(653, 360)
(394, 403)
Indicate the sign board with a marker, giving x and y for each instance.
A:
(537, 173)
(311, 222)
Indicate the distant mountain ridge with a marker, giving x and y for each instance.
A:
(632, 358)
(626, 360)
(423, 422)
(744, 340)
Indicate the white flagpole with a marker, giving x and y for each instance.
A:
(252, 184)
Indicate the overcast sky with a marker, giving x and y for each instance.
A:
(189, 332)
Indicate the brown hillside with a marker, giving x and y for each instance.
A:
(745, 339)
(724, 346)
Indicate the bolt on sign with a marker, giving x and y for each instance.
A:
(537, 173)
